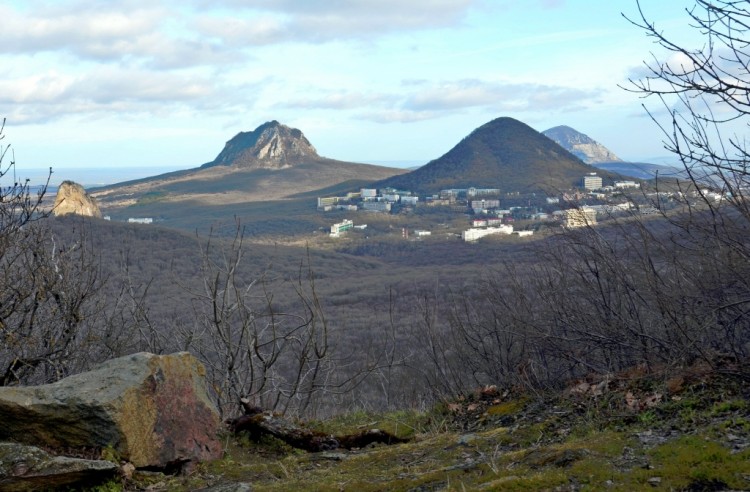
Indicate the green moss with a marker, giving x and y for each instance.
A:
(523, 480)
(720, 408)
(402, 423)
(111, 454)
(693, 460)
(113, 485)
(506, 408)
(570, 447)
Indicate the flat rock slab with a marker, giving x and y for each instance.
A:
(152, 410)
(28, 468)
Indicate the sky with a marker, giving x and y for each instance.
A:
(155, 84)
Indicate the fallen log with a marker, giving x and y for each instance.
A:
(258, 423)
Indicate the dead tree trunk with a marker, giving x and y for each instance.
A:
(259, 423)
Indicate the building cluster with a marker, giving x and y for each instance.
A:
(483, 205)
(710, 195)
(369, 199)
(593, 182)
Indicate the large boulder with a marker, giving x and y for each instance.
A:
(72, 198)
(28, 468)
(151, 410)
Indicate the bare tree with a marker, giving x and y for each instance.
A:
(274, 359)
(705, 93)
(55, 318)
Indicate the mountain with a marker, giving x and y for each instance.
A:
(270, 146)
(504, 153)
(582, 146)
(592, 152)
(271, 164)
(641, 170)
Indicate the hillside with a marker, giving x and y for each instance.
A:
(685, 432)
(505, 154)
(641, 170)
(273, 163)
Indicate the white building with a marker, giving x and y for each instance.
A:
(473, 234)
(482, 191)
(337, 229)
(626, 184)
(484, 204)
(324, 201)
(592, 182)
(580, 217)
(376, 206)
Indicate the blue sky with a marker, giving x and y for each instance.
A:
(148, 83)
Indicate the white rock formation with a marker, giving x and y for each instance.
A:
(270, 146)
(582, 146)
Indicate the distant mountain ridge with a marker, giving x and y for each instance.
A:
(271, 163)
(642, 170)
(270, 146)
(503, 153)
(592, 152)
(581, 145)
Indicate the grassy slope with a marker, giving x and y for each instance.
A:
(696, 437)
(255, 184)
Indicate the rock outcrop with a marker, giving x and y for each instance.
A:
(151, 410)
(73, 199)
(28, 468)
(270, 146)
(582, 146)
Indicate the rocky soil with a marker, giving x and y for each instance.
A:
(685, 429)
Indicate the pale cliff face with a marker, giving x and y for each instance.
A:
(270, 146)
(591, 153)
(582, 146)
(73, 199)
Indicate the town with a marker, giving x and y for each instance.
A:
(491, 212)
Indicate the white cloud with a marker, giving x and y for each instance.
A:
(233, 31)
(110, 91)
(127, 34)
(464, 94)
(342, 100)
(398, 116)
(84, 32)
(420, 100)
(266, 21)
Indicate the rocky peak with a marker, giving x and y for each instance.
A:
(270, 146)
(72, 198)
(582, 146)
